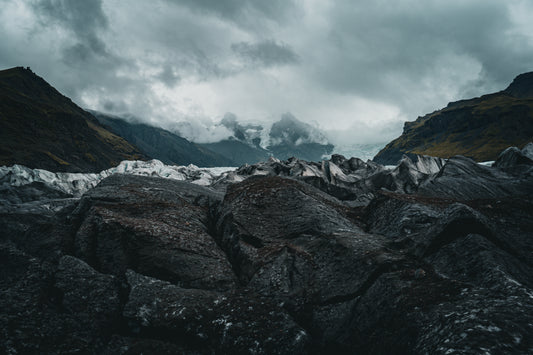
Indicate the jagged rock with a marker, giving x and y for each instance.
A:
(426, 257)
(295, 244)
(479, 251)
(155, 226)
(32, 318)
(513, 158)
(350, 180)
(462, 178)
(210, 321)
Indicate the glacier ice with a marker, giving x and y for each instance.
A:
(76, 184)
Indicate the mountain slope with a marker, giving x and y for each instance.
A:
(41, 128)
(478, 128)
(238, 151)
(162, 144)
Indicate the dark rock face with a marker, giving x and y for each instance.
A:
(485, 182)
(158, 228)
(514, 158)
(428, 257)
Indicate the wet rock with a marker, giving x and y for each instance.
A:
(210, 321)
(93, 297)
(155, 226)
(461, 178)
(280, 257)
(517, 162)
(293, 243)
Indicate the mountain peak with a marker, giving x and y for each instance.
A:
(19, 73)
(15, 70)
(42, 128)
(522, 86)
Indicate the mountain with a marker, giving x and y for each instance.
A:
(280, 257)
(290, 137)
(41, 128)
(478, 128)
(250, 143)
(238, 151)
(163, 145)
(286, 138)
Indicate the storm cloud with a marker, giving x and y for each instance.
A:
(357, 69)
(268, 53)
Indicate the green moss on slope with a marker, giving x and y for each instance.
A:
(479, 128)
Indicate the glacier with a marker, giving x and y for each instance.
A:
(76, 184)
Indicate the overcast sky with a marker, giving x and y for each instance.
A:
(358, 67)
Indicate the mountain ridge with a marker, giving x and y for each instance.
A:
(42, 128)
(161, 144)
(478, 128)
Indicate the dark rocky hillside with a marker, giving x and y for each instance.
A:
(163, 145)
(281, 257)
(478, 128)
(40, 128)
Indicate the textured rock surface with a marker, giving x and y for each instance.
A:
(282, 257)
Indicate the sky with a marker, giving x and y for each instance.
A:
(356, 69)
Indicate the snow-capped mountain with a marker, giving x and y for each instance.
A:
(251, 142)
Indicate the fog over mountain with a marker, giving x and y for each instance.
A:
(354, 69)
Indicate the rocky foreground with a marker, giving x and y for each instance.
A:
(281, 257)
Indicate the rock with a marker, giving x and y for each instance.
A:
(209, 321)
(350, 180)
(155, 226)
(512, 156)
(461, 178)
(32, 319)
(295, 244)
(476, 251)
(86, 292)
(278, 257)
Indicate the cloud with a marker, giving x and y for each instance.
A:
(168, 76)
(394, 51)
(202, 131)
(267, 53)
(290, 130)
(357, 69)
(248, 13)
(84, 18)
